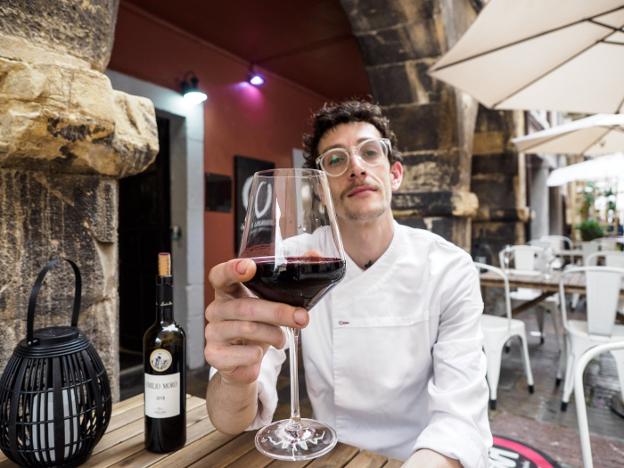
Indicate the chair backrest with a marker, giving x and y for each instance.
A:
(588, 248)
(579, 395)
(501, 273)
(607, 243)
(525, 257)
(612, 258)
(541, 243)
(603, 289)
(557, 242)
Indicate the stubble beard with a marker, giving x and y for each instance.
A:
(363, 216)
(358, 216)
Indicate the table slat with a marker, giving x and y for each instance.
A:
(287, 464)
(230, 452)
(194, 451)
(125, 418)
(136, 427)
(127, 404)
(198, 424)
(199, 427)
(366, 459)
(393, 463)
(251, 458)
(340, 456)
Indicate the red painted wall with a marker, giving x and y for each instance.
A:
(266, 123)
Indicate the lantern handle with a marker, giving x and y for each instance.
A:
(32, 302)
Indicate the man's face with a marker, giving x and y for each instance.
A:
(363, 193)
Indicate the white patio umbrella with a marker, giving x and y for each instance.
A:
(565, 55)
(592, 136)
(601, 168)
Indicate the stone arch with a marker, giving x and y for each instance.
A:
(399, 41)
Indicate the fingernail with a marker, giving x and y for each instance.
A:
(241, 268)
(301, 316)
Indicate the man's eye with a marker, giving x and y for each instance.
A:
(371, 153)
(335, 159)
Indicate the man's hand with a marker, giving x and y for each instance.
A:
(241, 327)
(426, 458)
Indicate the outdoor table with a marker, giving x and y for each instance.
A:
(574, 283)
(569, 253)
(122, 445)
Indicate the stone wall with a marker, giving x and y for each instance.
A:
(65, 138)
(399, 41)
(45, 214)
(498, 179)
(69, 31)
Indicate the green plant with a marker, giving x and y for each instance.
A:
(589, 196)
(590, 230)
(611, 197)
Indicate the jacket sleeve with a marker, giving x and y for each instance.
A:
(458, 391)
(267, 386)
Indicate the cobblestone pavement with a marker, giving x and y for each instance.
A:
(537, 420)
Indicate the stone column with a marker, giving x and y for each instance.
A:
(498, 179)
(399, 41)
(65, 138)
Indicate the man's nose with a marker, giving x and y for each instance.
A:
(356, 165)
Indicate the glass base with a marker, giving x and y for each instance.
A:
(295, 440)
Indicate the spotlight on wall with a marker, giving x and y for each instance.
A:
(254, 78)
(190, 89)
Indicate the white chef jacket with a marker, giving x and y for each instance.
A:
(393, 354)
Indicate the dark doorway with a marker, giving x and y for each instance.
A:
(144, 230)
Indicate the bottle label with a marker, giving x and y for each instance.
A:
(160, 359)
(162, 395)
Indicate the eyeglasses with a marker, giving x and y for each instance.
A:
(371, 152)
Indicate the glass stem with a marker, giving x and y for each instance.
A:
(293, 336)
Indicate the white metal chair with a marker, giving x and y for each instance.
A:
(498, 331)
(612, 258)
(530, 260)
(607, 243)
(589, 248)
(557, 242)
(526, 258)
(602, 293)
(579, 395)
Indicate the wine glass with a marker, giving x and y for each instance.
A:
(291, 233)
(507, 252)
(549, 262)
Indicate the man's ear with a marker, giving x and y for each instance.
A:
(396, 175)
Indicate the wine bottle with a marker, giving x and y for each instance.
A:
(164, 358)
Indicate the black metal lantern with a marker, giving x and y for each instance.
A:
(55, 400)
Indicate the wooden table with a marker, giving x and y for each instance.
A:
(569, 253)
(122, 445)
(573, 282)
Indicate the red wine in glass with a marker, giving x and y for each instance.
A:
(298, 281)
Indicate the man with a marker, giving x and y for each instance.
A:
(392, 355)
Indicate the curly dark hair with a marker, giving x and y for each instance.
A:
(333, 114)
